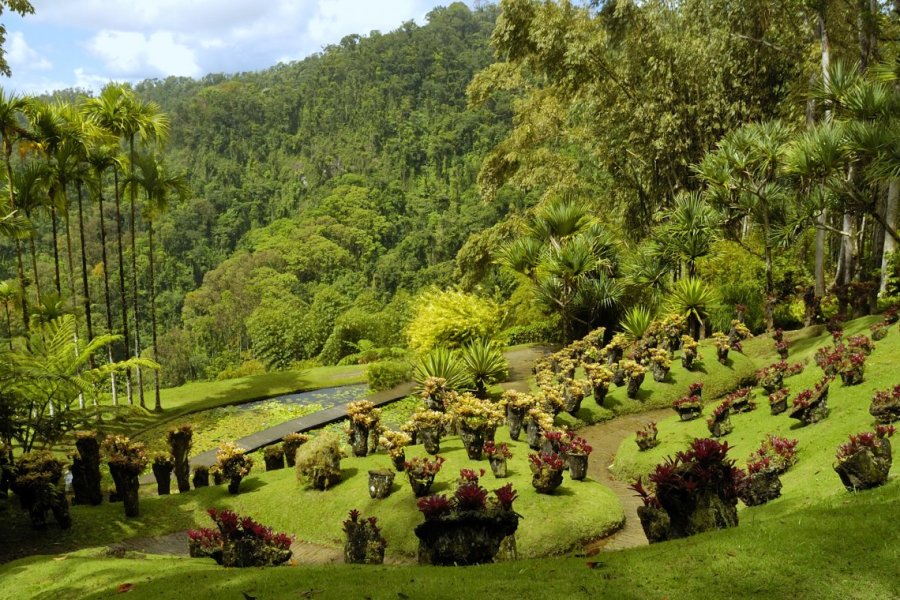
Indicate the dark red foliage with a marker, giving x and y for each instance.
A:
(501, 449)
(470, 475)
(433, 506)
(505, 496)
(470, 496)
(549, 460)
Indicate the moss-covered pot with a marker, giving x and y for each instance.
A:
(465, 538)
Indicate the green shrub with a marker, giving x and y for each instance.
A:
(544, 331)
(319, 461)
(388, 373)
(451, 318)
(248, 367)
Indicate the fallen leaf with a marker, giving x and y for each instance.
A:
(125, 587)
(594, 564)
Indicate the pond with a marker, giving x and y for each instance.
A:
(324, 397)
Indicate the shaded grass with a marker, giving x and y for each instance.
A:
(579, 511)
(777, 558)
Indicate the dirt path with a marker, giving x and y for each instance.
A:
(606, 438)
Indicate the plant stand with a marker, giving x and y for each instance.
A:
(380, 482)
(867, 468)
(420, 485)
(399, 459)
(634, 386)
(431, 439)
(546, 480)
(163, 476)
(761, 487)
(578, 464)
(498, 466)
(599, 392)
(359, 439)
(654, 522)
(473, 441)
(468, 538)
(514, 419)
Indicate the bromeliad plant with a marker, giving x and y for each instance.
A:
(434, 393)
(660, 363)
(688, 407)
(862, 343)
(811, 406)
(537, 421)
(864, 461)
(599, 376)
(421, 473)
(363, 542)
(234, 465)
(291, 442)
(879, 330)
(517, 405)
(885, 405)
(634, 377)
(646, 436)
(696, 389)
(778, 401)
(546, 469)
(239, 542)
(497, 454)
(719, 423)
(780, 452)
(782, 349)
(723, 345)
(364, 417)
(478, 420)
(395, 443)
(741, 400)
(690, 351)
(576, 450)
(852, 366)
(771, 377)
(761, 483)
(430, 426)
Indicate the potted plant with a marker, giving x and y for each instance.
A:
(537, 422)
(551, 399)
(421, 473)
(861, 343)
(778, 401)
(290, 443)
(634, 377)
(740, 400)
(234, 464)
(517, 405)
(39, 485)
(363, 542)
(723, 345)
(200, 476)
(618, 374)
(865, 460)
(599, 376)
(672, 329)
(553, 442)
(780, 452)
(660, 363)
(811, 406)
(654, 520)
(778, 335)
(615, 349)
(216, 474)
(468, 528)
(245, 543)
(892, 315)
(573, 395)
(645, 437)
(771, 377)
(577, 451)
(86, 476)
(696, 389)
(761, 483)
(430, 425)
(737, 334)
(180, 440)
(434, 393)
(380, 482)
(546, 469)
(395, 442)
(719, 423)
(688, 407)
(477, 420)
(163, 465)
(885, 405)
(782, 349)
(273, 456)
(829, 359)
(126, 460)
(364, 417)
(498, 455)
(852, 367)
(879, 330)
(690, 351)
(697, 489)
(319, 461)
(205, 543)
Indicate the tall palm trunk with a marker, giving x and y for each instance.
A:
(54, 221)
(157, 406)
(128, 390)
(71, 279)
(34, 269)
(822, 219)
(8, 324)
(134, 279)
(86, 298)
(890, 243)
(20, 265)
(109, 321)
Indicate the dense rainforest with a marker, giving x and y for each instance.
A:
(526, 171)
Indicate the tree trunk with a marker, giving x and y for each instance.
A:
(157, 406)
(825, 46)
(125, 336)
(54, 225)
(34, 269)
(20, 265)
(134, 280)
(84, 272)
(890, 243)
(9, 335)
(71, 280)
(109, 321)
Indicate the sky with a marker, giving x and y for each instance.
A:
(87, 43)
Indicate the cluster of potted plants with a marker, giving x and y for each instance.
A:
(430, 427)
(363, 542)
(546, 470)
(693, 492)
(498, 455)
(239, 542)
(645, 437)
(477, 421)
(864, 461)
(39, 485)
(885, 405)
(468, 528)
(364, 418)
(719, 422)
(811, 406)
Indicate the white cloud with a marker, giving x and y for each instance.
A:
(22, 56)
(132, 53)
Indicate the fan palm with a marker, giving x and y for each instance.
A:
(485, 363)
(636, 321)
(445, 363)
(692, 298)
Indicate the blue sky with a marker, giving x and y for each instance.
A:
(87, 43)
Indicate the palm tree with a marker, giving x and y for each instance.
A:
(690, 230)
(692, 299)
(11, 130)
(160, 185)
(108, 111)
(30, 182)
(101, 157)
(7, 295)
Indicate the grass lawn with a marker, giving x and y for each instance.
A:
(841, 548)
